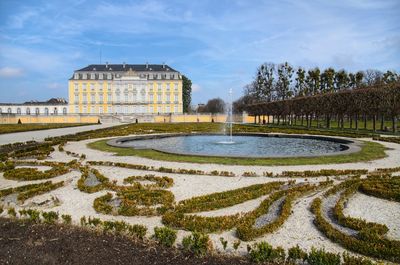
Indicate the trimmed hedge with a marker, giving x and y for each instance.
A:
(160, 182)
(104, 182)
(28, 191)
(321, 173)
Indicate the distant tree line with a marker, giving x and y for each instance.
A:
(289, 94)
(215, 105)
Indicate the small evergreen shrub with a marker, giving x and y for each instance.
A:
(197, 243)
(264, 252)
(67, 219)
(50, 217)
(138, 231)
(296, 253)
(321, 257)
(223, 242)
(165, 236)
(11, 212)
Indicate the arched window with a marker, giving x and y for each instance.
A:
(18, 110)
(46, 111)
(64, 111)
(37, 111)
(28, 111)
(1, 111)
(55, 112)
(9, 110)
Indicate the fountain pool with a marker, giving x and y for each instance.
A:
(244, 145)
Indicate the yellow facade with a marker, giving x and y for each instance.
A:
(125, 92)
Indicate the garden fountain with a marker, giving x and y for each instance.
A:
(229, 120)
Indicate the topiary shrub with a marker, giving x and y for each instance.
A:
(165, 236)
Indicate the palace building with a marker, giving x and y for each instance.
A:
(125, 89)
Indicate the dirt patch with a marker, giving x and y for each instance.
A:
(27, 243)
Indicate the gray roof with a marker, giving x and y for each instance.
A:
(127, 67)
(52, 101)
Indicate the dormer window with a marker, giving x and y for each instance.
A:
(76, 76)
(84, 76)
(92, 76)
(108, 76)
(100, 76)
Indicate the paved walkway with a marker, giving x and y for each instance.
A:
(40, 135)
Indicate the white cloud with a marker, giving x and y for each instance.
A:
(196, 88)
(10, 72)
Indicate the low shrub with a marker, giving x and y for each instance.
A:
(264, 252)
(160, 182)
(321, 257)
(296, 254)
(236, 244)
(67, 219)
(35, 174)
(249, 174)
(351, 260)
(224, 242)
(321, 173)
(197, 243)
(138, 231)
(11, 212)
(50, 217)
(165, 236)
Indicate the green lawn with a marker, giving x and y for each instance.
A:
(369, 151)
(12, 128)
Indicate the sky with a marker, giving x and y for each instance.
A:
(218, 44)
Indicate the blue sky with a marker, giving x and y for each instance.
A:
(217, 44)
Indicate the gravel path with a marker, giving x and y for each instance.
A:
(327, 211)
(271, 215)
(386, 212)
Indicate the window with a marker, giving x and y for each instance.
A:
(168, 97)
(109, 98)
(84, 109)
(28, 111)
(55, 111)
(18, 110)
(84, 76)
(92, 76)
(9, 110)
(168, 86)
(151, 97)
(159, 97)
(126, 110)
(109, 109)
(64, 111)
(93, 110)
(76, 76)
(1, 111)
(76, 87)
(100, 76)
(168, 109)
(84, 98)
(76, 97)
(76, 109)
(92, 86)
(159, 109)
(101, 110)
(176, 86)
(159, 86)
(92, 98)
(176, 109)
(37, 111)
(108, 86)
(101, 98)
(84, 85)
(118, 98)
(46, 111)
(176, 98)
(109, 76)
(126, 97)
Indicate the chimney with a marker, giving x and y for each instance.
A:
(123, 65)
(163, 65)
(147, 65)
(106, 64)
